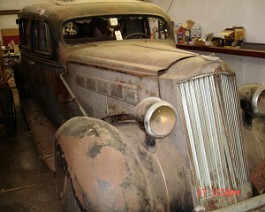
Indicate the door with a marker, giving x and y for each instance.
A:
(42, 69)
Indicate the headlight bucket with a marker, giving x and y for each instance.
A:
(258, 100)
(158, 117)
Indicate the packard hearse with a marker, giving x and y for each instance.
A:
(128, 122)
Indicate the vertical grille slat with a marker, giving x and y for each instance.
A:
(191, 138)
(213, 124)
(234, 116)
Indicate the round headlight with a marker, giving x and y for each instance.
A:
(160, 119)
(258, 100)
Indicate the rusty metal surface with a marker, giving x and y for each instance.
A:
(254, 127)
(216, 151)
(255, 143)
(46, 87)
(193, 67)
(112, 92)
(255, 204)
(115, 171)
(257, 177)
(110, 167)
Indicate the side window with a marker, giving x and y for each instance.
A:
(41, 40)
(24, 31)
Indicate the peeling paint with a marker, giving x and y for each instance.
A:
(94, 151)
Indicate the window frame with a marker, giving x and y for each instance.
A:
(84, 40)
(30, 30)
(41, 43)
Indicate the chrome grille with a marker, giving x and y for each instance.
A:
(211, 113)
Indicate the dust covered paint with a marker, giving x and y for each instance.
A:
(100, 59)
(119, 173)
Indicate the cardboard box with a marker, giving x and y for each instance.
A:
(195, 29)
(240, 33)
(234, 36)
(186, 32)
(188, 24)
(196, 32)
(200, 42)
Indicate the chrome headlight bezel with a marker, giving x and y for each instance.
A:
(159, 117)
(256, 100)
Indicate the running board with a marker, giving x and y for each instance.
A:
(43, 131)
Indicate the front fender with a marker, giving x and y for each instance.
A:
(252, 95)
(111, 171)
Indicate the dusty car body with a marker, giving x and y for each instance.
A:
(132, 123)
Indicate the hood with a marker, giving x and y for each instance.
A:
(143, 58)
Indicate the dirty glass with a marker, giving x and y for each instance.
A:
(93, 29)
(24, 31)
(41, 36)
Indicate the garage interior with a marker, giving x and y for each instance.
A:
(26, 184)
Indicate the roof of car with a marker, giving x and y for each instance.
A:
(63, 10)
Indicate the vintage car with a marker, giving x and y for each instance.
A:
(127, 121)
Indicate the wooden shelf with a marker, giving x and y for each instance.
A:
(8, 12)
(225, 50)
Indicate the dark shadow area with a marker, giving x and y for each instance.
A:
(26, 184)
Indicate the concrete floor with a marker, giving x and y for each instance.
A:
(26, 184)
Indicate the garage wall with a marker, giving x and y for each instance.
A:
(15, 4)
(216, 15)
(212, 15)
(9, 20)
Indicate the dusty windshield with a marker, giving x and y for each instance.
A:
(93, 29)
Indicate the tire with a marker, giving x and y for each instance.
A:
(70, 203)
(7, 109)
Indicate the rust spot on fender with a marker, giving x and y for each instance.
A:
(94, 150)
